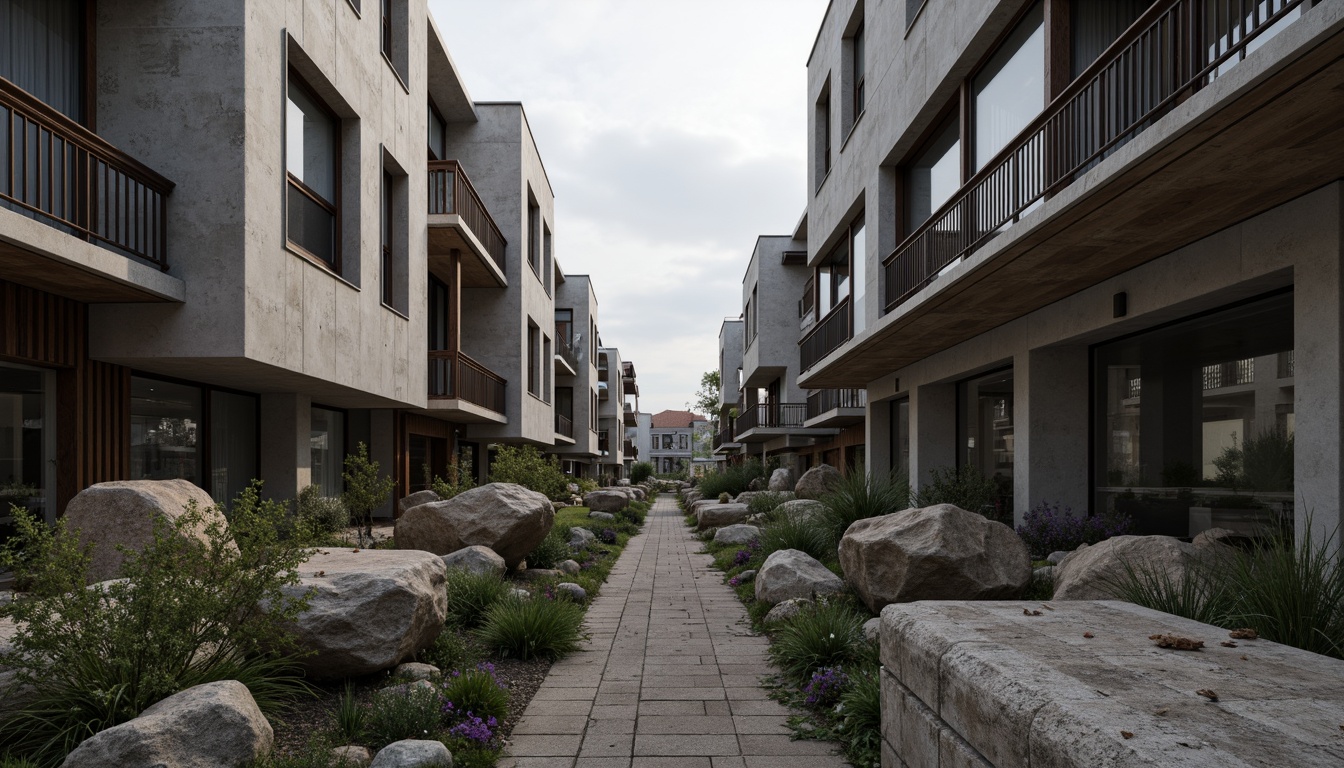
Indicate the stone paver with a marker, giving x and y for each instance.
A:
(670, 676)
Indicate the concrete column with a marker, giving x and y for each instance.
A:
(933, 430)
(383, 449)
(877, 437)
(286, 450)
(1050, 429)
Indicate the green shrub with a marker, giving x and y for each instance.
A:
(525, 466)
(470, 596)
(528, 629)
(553, 549)
(365, 489)
(634, 514)
(404, 712)
(765, 503)
(965, 487)
(858, 496)
(586, 485)
(641, 471)
(351, 718)
(321, 515)
(99, 657)
(450, 650)
(860, 727)
(830, 634)
(802, 535)
(731, 480)
(460, 478)
(477, 691)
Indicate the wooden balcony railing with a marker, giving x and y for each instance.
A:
(450, 191)
(826, 336)
(771, 415)
(824, 400)
(72, 178)
(1173, 49)
(564, 425)
(455, 375)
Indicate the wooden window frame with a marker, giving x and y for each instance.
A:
(332, 207)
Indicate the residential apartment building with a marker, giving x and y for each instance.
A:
(670, 439)
(576, 398)
(1083, 242)
(731, 400)
(612, 412)
(775, 418)
(239, 238)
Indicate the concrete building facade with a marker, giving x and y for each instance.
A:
(1117, 303)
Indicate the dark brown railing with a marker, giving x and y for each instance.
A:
(564, 425)
(826, 336)
(455, 375)
(565, 349)
(629, 449)
(61, 171)
(824, 400)
(771, 416)
(724, 435)
(1173, 49)
(603, 442)
(450, 191)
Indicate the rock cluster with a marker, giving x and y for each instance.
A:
(507, 518)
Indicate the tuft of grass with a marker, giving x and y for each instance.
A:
(351, 717)
(477, 691)
(802, 535)
(404, 712)
(858, 496)
(528, 629)
(830, 634)
(470, 595)
(765, 503)
(860, 726)
(553, 549)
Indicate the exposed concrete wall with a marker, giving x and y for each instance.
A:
(730, 360)
(773, 353)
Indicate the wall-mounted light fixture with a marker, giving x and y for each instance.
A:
(1120, 304)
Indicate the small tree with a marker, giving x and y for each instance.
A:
(525, 466)
(641, 471)
(365, 489)
(707, 397)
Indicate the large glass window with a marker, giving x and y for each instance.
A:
(327, 441)
(42, 51)
(900, 437)
(985, 435)
(533, 363)
(312, 141)
(1010, 91)
(27, 443)
(233, 444)
(934, 176)
(1194, 422)
(858, 250)
(165, 427)
(438, 130)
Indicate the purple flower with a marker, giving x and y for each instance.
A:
(733, 582)
(473, 728)
(825, 686)
(1051, 528)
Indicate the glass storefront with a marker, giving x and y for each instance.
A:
(327, 438)
(27, 443)
(1194, 422)
(985, 434)
(165, 426)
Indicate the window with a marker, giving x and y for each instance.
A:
(985, 435)
(564, 402)
(822, 131)
(312, 141)
(533, 234)
(900, 437)
(533, 364)
(386, 21)
(233, 444)
(934, 176)
(853, 51)
(912, 9)
(749, 313)
(684, 441)
(438, 134)
(42, 51)
(165, 430)
(547, 265)
(547, 368)
(858, 250)
(1010, 90)
(386, 278)
(564, 326)
(592, 410)
(327, 445)
(28, 448)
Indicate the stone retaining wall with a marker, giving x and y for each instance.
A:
(1081, 685)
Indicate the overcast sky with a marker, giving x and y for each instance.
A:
(673, 133)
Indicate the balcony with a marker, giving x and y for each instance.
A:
(1175, 133)
(770, 421)
(566, 359)
(725, 442)
(55, 171)
(631, 419)
(826, 336)
(472, 392)
(631, 452)
(564, 427)
(836, 407)
(459, 221)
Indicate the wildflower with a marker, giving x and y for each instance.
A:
(825, 686)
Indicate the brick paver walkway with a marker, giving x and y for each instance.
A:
(669, 678)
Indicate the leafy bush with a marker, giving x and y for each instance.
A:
(732, 479)
(1262, 463)
(529, 629)
(319, 514)
(641, 471)
(607, 536)
(586, 485)
(1050, 528)
(553, 549)
(858, 496)
(404, 712)
(365, 489)
(965, 487)
(795, 533)
(470, 596)
(525, 466)
(765, 503)
(450, 650)
(477, 691)
(828, 635)
(634, 513)
(99, 656)
(460, 478)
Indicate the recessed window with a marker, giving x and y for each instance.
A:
(438, 132)
(327, 450)
(822, 131)
(312, 144)
(42, 51)
(858, 71)
(533, 363)
(934, 176)
(985, 436)
(386, 278)
(533, 234)
(1010, 90)
(386, 30)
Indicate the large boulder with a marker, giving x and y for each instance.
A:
(738, 535)
(789, 573)
(719, 515)
(800, 509)
(606, 500)
(215, 724)
(122, 514)
(416, 499)
(782, 479)
(413, 753)
(817, 482)
(1091, 572)
(476, 559)
(941, 552)
(368, 610)
(505, 517)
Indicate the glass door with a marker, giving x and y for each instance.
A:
(27, 444)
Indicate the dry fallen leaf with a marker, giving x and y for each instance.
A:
(354, 550)
(1176, 642)
(1127, 734)
(1029, 612)
(1243, 658)
(1208, 694)
(1088, 635)
(1245, 633)
(1161, 711)
(320, 574)
(1228, 644)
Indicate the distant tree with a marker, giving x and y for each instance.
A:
(707, 397)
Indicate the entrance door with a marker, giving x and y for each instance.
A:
(428, 459)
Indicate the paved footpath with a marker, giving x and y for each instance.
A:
(669, 678)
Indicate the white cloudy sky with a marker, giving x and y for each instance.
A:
(673, 133)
